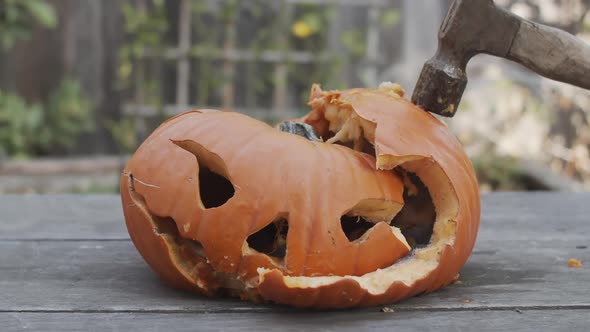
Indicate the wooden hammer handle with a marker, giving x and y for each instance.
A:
(552, 53)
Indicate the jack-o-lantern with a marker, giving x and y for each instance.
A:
(366, 200)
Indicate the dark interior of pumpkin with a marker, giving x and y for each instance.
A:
(417, 216)
(415, 219)
(214, 188)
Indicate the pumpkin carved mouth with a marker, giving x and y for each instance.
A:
(370, 202)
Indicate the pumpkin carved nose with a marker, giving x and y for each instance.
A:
(272, 239)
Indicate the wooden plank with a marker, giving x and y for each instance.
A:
(49, 175)
(533, 320)
(372, 50)
(238, 55)
(51, 166)
(61, 217)
(359, 3)
(90, 276)
(529, 271)
(259, 113)
(519, 261)
(229, 67)
(504, 215)
(59, 183)
(515, 216)
(546, 178)
(281, 70)
(84, 56)
(183, 68)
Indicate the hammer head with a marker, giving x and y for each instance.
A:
(470, 27)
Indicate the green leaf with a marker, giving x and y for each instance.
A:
(353, 40)
(42, 11)
(19, 124)
(123, 133)
(69, 114)
(313, 20)
(125, 70)
(390, 18)
(11, 13)
(7, 41)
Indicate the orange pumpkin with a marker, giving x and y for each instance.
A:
(383, 206)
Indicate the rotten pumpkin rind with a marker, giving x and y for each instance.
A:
(164, 170)
(403, 135)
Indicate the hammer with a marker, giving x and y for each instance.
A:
(478, 26)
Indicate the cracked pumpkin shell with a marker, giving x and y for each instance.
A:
(385, 208)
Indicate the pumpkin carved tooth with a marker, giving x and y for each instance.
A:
(385, 208)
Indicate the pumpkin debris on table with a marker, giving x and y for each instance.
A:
(367, 200)
(573, 262)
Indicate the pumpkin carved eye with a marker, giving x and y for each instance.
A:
(215, 189)
(366, 200)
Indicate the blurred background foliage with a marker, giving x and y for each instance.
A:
(17, 18)
(83, 78)
(37, 129)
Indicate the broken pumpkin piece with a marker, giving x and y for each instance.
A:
(366, 200)
(573, 262)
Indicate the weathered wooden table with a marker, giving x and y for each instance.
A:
(67, 264)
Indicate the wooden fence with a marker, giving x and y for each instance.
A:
(88, 41)
(281, 96)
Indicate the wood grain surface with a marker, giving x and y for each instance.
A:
(67, 264)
